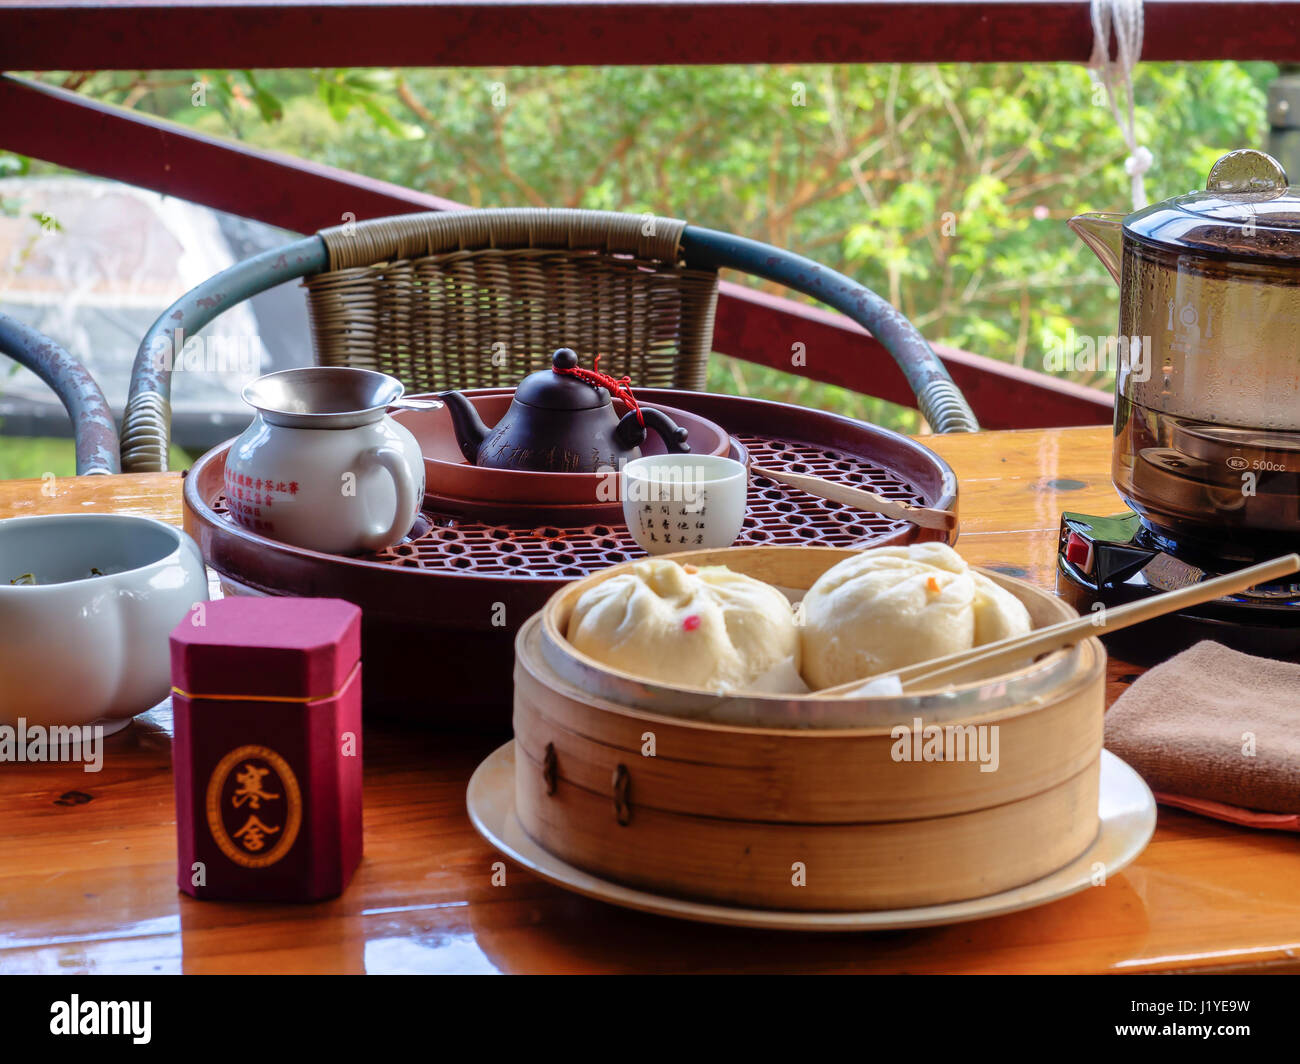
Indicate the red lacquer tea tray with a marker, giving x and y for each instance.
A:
(440, 610)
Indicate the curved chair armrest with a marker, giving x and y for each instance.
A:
(146, 423)
(92, 419)
(939, 399)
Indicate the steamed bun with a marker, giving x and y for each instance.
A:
(891, 607)
(707, 627)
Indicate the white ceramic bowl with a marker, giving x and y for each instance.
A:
(76, 648)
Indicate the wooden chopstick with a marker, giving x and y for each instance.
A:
(923, 516)
(1005, 652)
(1057, 636)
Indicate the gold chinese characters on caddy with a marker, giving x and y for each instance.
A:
(254, 806)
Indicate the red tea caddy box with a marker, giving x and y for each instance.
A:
(267, 751)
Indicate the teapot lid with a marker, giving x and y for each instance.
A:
(552, 390)
(1247, 211)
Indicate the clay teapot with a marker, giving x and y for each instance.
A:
(561, 420)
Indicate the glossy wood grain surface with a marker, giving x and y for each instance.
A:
(87, 861)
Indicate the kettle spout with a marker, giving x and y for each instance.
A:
(469, 427)
(1104, 233)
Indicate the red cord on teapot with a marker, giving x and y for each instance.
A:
(619, 387)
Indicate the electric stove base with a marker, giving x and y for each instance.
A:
(1109, 561)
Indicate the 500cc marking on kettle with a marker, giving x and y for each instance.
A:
(1264, 465)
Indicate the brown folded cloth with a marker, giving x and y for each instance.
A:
(1183, 726)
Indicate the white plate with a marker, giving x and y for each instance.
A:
(1128, 818)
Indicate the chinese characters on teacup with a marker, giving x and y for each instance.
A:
(675, 502)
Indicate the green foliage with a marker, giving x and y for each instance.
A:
(945, 188)
(731, 376)
(31, 457)
(12, 165)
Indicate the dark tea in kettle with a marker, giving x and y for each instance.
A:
(1234, 490)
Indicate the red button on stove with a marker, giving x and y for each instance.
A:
(1078, 552)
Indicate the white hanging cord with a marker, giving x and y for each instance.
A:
(1125, 17)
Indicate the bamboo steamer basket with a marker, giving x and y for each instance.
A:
(798, 801)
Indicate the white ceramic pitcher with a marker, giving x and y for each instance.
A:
(322, 465)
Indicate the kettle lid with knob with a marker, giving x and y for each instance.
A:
(1248, 210)
(558, 389)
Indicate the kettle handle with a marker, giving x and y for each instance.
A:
(630, 434)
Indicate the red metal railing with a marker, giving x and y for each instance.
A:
(190, 34)
(72, 131)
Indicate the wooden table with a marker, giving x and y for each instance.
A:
(87, 862)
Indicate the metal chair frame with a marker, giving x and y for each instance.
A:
(146, 423)
(94, 429)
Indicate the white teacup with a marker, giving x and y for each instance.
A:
(323, 466)
(675, 502)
